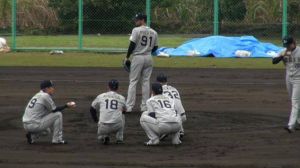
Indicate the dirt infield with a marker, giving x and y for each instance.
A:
(235, 120)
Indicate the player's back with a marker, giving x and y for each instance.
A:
(145, 39)
(163, 107)
(110, 105)
(39, 106)
(173, 93)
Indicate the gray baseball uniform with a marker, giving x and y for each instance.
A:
(292, 64)
(110, 106)
(173, 93)
(165, 120)
(39, 118)
(145, 39)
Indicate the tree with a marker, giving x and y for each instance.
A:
(233, 10)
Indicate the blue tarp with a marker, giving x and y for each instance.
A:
(223, 47)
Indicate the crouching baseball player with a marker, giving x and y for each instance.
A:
(160, 118)
(42, 116)
(173, 93)
(111, 120)
(291, 59)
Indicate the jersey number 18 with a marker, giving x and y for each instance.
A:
(111, 104)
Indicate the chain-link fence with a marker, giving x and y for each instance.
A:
(105, 25)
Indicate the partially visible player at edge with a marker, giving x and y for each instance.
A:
(42, 116)
(291, 59)
(173, 93)
(111, 120)
(143, 42)
(3, 45)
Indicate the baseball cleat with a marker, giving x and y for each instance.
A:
(163, 137)
(62, 142)
(177, 144)
(150, 143)
(119, 142)
(289, 129)
(181, 134)
(29, 138)
(105, 141)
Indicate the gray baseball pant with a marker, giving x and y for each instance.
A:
(293, 88)
(140, 71)
(54, 121)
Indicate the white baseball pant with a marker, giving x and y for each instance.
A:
(154, 129)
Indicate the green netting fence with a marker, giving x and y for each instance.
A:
(105, 25)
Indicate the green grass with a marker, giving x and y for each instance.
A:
(103, 41)
(70, 59)
(109, 60)
(91, 41)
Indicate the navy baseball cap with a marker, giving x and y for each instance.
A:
(287, 40)
(161, 78)
(157, 88)
(113, 84)
(140, 16)
(46, 84)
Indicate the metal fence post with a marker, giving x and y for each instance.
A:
(148, 12)
(80, 24)
(216, 17)
(284, 18)
(13, 24)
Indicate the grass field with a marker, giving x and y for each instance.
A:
(104, 41)
(92, 41)
(114, 60)
(75, 59)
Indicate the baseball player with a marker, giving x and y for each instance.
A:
(173, 93)
(110, 106)
(143, 42)
(291, 59)
(161, 117)
(42, 116)
(3, 45)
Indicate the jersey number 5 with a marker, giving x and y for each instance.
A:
(32, 103)
(145, 41)
(113, 104)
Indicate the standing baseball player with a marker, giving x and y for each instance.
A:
(143, 42)
(111, 120)
(160, 118)
(173, 93)
(42, 116)
(291, 59)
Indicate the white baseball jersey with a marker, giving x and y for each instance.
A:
(173, 93)
(110, 106)
(292, 64)
(40, 105)
(163, 107)
(145, 39)
(2, 42)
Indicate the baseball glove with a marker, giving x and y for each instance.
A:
(126, 65)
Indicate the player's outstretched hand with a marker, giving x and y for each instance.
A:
(71, 104)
